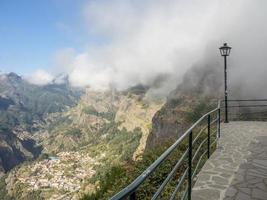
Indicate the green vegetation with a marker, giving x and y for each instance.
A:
(199, 110)
(3, 192)
(120, 175)
(58, 122)
(90, 110)
(122, 142)
(36, 195)
(114, 175)
(75, 132)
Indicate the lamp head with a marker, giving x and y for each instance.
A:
(225, 50)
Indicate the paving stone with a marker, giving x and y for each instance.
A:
(204, 177)
(241, 185)
(261, 186)
(220, 180)
(228, 198)
(206, 194)
(254, 180)
(245, 190)
(242, 196)
(225, 175)
(238, 167)
(217, 186)
(230, 192)
(259, 194)
(261, 162)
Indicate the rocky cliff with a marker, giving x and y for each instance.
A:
(23, 108)
(14, 150)
(200, 89)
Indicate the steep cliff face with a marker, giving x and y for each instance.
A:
(200, 89)
(23, 109)
(133, 113)
(14, 150)
(98, 113)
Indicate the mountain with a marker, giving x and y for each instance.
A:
(23, 109)
(104, 129)
(194, 96)
(103, 134)
(23, 103)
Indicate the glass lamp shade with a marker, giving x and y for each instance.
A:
(225, 50)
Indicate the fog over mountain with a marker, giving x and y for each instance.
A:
(144, 40)
(91, 115)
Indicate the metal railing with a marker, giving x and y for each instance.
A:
(199, 139)
(247, 109)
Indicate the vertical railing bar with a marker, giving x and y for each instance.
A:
(184, 194)
(133, 196)
(208, 136)
(219, 122)
(190, 164)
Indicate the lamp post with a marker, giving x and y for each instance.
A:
(225, 51)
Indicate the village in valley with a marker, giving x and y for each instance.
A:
(64, 173)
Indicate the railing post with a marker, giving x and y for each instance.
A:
(225, 90)
(208, 136)
(219, 122)
(190, 164)
(133, 196)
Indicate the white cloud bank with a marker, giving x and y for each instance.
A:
(145, 39)
(40, 77)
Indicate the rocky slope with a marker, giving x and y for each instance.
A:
(105, 128)
(14, 149)
(23, 108)
(199, 91)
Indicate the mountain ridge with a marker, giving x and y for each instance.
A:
(104, 129)
(23, 107)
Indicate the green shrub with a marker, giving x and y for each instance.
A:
(76, 132)
(3, 191)
(119, 176)
(199, 110)
(90, 110)
(114, 175)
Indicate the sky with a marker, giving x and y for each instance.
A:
(99, 43)
(32, 31)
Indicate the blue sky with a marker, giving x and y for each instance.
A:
(32, 31)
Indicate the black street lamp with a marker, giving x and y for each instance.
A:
(225, 51)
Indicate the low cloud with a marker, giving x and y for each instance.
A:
(40, 77)
(142, 40)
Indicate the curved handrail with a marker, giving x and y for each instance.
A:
(127, 191)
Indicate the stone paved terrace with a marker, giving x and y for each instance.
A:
(237, 170)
